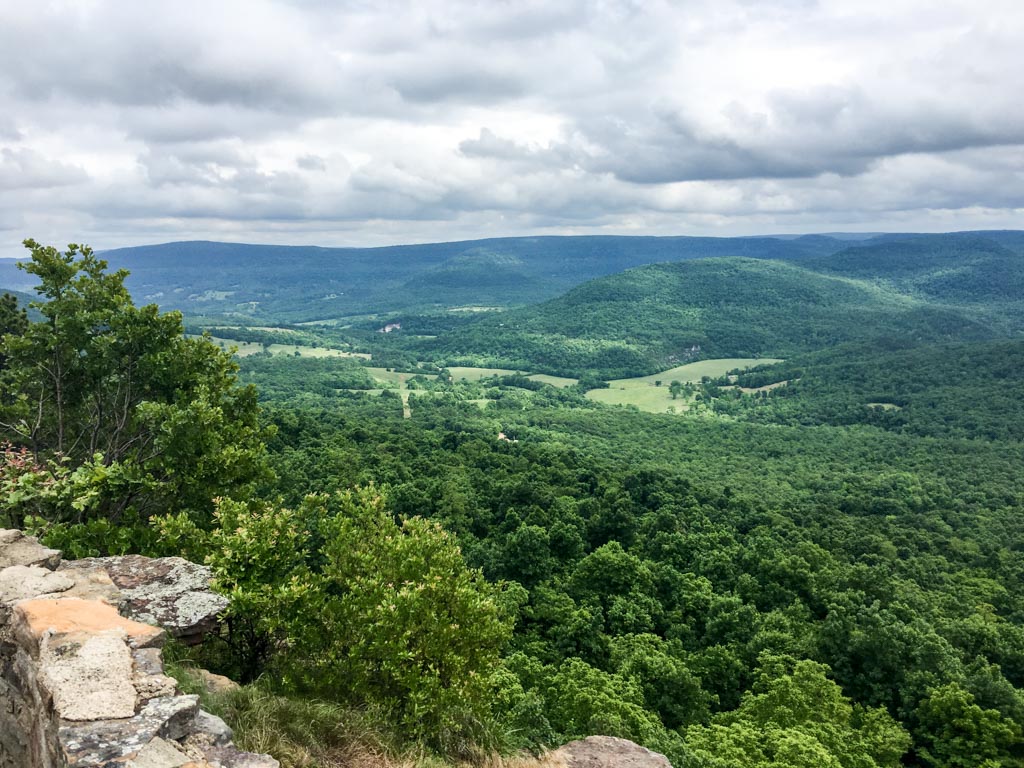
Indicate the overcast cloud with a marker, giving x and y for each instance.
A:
(364, 123)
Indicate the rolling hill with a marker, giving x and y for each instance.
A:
(650, 317)
(266, 284)
(970, 390)
(984, 273)
(260, 284)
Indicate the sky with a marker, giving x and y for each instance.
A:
(368, 123)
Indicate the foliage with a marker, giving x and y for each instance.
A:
(943, 390)
(783, 577)
(956, 732)
(795, 716)
(660, 556)
(344, 602)
(129, 417)
(407, 625)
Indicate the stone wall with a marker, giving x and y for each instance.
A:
(81, 675)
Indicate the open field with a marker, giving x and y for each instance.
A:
(695, 371)
(766, 387)
(246, 348)
(475, 374)
(395, 377)
(644, 393)
(555, 381)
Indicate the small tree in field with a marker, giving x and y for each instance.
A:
(675, 388)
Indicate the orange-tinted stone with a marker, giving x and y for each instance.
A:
(76, 615)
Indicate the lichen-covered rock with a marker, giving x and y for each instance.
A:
(90, 582)
(28, 727)
(209, 731)
(100, 742)
(83, 686)
(168, 592)
(608, 752)
(160, 754)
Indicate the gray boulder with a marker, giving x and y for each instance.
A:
(608, 752)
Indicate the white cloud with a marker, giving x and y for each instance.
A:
(351, 123)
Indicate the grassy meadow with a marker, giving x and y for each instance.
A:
(645, 394)
(246, 348)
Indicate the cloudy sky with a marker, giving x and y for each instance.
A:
(364, 123)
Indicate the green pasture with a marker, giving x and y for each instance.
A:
(395, 377)
(555, 381)
(246, 348)
(475, 374)
(645, 394)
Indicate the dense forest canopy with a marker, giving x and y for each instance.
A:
(815, 562)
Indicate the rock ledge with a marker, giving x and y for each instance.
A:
(81, 677)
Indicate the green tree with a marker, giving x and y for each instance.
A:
(13, 320)
(675, 388)
(957, 733)
(98, 381)
(342, 601)
(404, 622)
(796, 716)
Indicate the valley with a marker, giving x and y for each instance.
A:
(659, 490)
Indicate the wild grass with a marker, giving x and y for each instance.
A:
(311, 733)
(555, 381)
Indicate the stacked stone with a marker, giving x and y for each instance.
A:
(83, 685)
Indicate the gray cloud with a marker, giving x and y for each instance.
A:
(799, 135)
(311, 163)
(309, 121)
(28, 169)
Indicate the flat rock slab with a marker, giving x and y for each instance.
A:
(74, 615)
(167, 591)
(608, 752)
(18, 549)
(116, 741)
(18, 582)
(88, 675)
(90, 582)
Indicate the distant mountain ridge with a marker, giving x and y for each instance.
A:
(260, 284)
(295, 283)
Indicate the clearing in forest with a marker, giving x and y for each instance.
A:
(645, 394)
(475, 374)
(555, 381)
(246, 348)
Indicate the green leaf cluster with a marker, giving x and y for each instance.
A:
(129, 417)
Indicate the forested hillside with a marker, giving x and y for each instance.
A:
(959, 390)
(650, 318)
(964, 270)
(813, 563)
